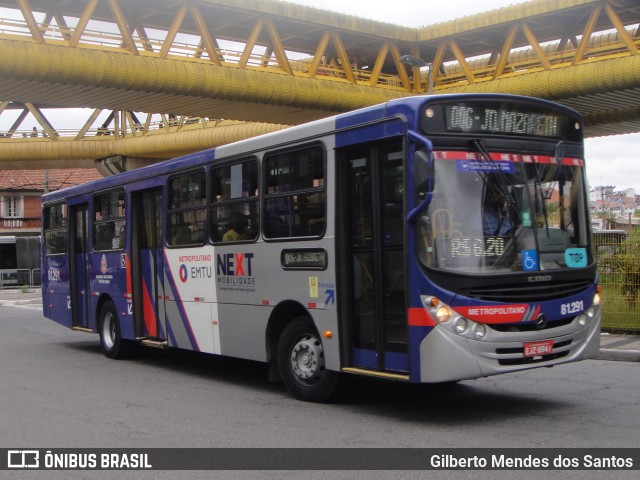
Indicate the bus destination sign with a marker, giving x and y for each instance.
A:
(483, 118)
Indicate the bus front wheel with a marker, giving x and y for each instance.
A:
(111, 340)
(301, 362)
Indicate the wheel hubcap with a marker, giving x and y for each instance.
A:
(307, 359)
(109, 331)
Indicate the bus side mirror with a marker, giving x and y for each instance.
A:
(422, 174)
(422, 182)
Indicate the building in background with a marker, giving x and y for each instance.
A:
(611, 209)
(20, 193)
(20, 219)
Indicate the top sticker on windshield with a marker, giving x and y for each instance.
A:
(576, 257)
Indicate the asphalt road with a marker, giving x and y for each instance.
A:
(58, 390)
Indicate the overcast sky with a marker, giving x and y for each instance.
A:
(613, 160)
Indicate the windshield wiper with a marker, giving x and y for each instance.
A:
(497, 168)
(506, 181)
(538, 188)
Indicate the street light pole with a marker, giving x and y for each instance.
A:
(417, 62)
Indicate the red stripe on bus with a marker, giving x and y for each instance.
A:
(506, 157)
(149, 312)
(418, 317)
(127, 265)
(492, 314)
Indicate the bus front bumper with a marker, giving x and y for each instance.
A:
(446, 356)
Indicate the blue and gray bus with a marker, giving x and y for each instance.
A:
(428, 239)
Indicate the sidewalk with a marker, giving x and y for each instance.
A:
(623, 348)
(18, 295)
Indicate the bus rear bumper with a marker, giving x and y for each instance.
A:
(446, 357)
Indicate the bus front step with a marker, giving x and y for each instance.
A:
(154, 343)
(374, 373)
(82, 329)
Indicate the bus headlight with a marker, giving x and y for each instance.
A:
(452, 321)
(596, 299)
(582, 320)
(591, 312)
(479, 331)
(443, 314)
(460, 324)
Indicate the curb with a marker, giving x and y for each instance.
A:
(618, 355)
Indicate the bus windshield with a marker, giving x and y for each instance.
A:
(496, 213)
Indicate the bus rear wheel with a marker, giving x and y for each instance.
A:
(111, 339)
(301, 363)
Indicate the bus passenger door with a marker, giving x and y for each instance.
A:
(371, 191)
(79, 282)
(147, 262)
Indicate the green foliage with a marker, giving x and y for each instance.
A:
(619, 277)
(627, 266)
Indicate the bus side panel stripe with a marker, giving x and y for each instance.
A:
(127, 264)
(171, 336)
(149, 313)
(148, 295)
(178, 301)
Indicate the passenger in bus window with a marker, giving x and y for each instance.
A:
(181, 234)
(237, 226)
(104, 239)
(120, 243)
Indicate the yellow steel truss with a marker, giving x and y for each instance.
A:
(157, 136)
(276, 62)
(273, 40)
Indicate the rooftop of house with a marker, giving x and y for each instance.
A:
(34, 180)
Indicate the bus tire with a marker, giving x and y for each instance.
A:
(111, 339)
(301, 362)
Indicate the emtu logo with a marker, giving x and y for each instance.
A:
(184, 275)
(23, 459)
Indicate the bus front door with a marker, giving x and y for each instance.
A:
(147, 264)
(371, 183)
(79, 282)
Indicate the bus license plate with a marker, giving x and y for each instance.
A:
(536, 349)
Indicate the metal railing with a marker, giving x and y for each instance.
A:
(20, 277)
(618, 255)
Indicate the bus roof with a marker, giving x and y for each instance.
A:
(296, 133)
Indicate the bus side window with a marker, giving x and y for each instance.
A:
(109, 221)
(234, 202)
(187, 209)
(55, 228)
(295, 197)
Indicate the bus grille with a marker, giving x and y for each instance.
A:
(530, 327)
(527, 293)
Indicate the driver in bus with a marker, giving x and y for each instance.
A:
(496, 221)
